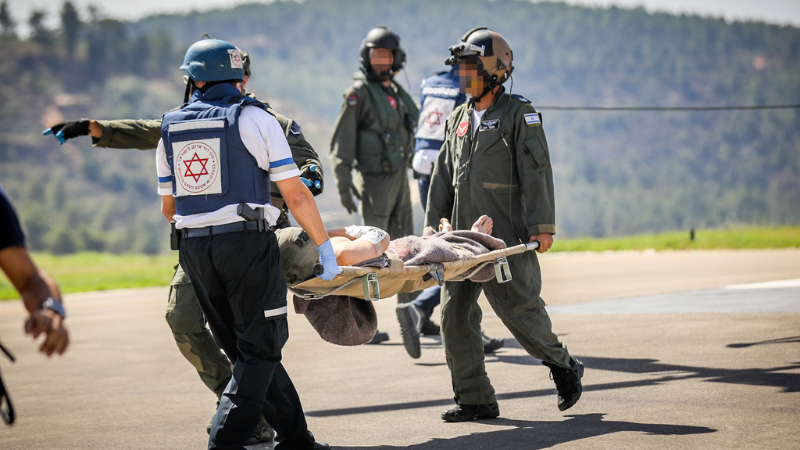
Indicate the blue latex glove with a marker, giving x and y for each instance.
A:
(328, 260)
(309, 183)
(312, 178)
(59, 135)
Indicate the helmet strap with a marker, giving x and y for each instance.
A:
(492, 80)
(188, 92)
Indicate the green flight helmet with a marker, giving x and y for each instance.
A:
(213, 60)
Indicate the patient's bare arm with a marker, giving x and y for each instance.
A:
(358, 244)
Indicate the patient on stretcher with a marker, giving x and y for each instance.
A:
(371, 246)
(345, 320)
(368, 245)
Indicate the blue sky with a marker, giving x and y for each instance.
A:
(774, 11)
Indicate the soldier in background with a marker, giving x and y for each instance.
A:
(374, 136)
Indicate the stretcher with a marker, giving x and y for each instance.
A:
(374, 283)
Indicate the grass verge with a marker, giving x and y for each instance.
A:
(83, 272)
(735, 238)
(87, 271)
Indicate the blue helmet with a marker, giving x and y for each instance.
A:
(213, 60)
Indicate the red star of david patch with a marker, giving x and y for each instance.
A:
(203, 171)
(433, 118)
(462, 128)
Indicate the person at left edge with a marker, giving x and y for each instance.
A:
(40, 295)
(215, 160)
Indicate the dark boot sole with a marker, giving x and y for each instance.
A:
(408, 333)
(470, 418)
(565, 406)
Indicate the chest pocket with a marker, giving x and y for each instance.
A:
(199, 157)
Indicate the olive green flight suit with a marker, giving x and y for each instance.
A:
(377, 140)
(184, 316)
(505, 173)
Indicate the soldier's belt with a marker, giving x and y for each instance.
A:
(259, 225)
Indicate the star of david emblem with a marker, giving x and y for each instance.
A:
(432, 122)
(203, 171)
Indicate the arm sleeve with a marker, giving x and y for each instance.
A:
(124, 134)
(344, 141)
(535, 174)
(441, 193)
(165, 175)
(262, 135)
(10, 230)
(302, 151)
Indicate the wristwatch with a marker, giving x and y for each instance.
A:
(55, 306)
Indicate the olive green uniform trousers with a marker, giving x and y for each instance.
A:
(499, 167)
(188, 325)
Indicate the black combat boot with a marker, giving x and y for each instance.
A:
(568, 382)
(491, 344)
(464, 413)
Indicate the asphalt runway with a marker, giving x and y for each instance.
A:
(682, 350)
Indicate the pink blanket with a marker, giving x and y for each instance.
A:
(446, 246)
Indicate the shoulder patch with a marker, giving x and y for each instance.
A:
(533, 119)
(352, 100)
(520, 98)
(295, 130)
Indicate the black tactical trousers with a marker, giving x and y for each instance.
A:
(240, 287)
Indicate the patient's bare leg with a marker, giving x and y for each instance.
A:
(484, 224)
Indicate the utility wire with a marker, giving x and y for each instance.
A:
(665, 108)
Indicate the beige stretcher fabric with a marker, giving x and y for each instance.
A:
(399, 279)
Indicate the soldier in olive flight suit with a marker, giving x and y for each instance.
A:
(375, 135)
(495, 161)
(184, 316)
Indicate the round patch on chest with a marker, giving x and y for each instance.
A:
(352, 100)
(197, 167)
(462, 128)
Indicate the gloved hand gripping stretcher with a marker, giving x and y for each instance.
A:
(373, 283)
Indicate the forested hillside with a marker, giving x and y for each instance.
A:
(616, 172)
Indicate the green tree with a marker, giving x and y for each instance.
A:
(7, 24)
(39, 32)
(71, 27)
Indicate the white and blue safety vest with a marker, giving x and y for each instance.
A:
(440, 96)
(211, 167)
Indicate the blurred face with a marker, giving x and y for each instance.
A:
(470, 79)
(381, 59)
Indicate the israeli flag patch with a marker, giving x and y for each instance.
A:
(533, 119)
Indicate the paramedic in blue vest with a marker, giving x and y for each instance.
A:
(215, 160)
(439, 97)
